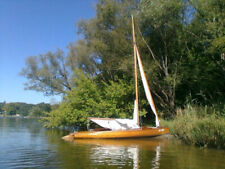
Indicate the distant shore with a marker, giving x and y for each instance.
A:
(14, 116)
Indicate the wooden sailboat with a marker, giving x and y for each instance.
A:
(125, 128)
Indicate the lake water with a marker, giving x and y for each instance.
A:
(25, 144)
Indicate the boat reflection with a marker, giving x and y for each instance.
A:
(124, 152)
(155, 161)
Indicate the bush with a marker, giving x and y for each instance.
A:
(91, 98)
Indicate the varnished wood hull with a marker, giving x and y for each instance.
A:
(119, 134)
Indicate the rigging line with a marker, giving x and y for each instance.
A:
(149, 48)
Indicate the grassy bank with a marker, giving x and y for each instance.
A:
(200, 126)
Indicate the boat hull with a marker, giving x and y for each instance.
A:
(118, 134)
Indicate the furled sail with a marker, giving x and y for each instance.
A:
(115, 124)
(119, 124)
(147, 90)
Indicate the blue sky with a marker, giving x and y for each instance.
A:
(30, 28)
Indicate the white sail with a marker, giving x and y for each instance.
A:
(115, 124)
(147, 90)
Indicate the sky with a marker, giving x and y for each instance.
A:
(30, 28)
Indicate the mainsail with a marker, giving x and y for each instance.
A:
(146, 87)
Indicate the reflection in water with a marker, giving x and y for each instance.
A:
(123, 152)
(115, 155)
(134, 152)
(155, 161)
(119, 155)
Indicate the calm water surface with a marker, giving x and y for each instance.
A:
(25, 144)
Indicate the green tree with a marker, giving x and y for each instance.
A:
(185, 40)
(1, 106)
(161, 29)
(109, 38)
(52, 73)
(10, 108)
(39, 110)
(36, 112)
(48, 73)
(203, 75)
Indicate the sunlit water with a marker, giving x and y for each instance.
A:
(25, 144)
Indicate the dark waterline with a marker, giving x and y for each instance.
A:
(25, 144)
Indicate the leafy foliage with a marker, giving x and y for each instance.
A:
(48, 73)
(162, 25)
(92, 98)
(203, 68)
(1, 106)
(108, 36)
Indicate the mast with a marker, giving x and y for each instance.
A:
(135, 69)
(144, 79)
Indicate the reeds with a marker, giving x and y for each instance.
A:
(200, 126)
